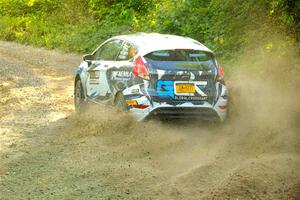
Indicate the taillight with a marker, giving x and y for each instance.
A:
(140, 70)
(141, 106)
(220, 73)
(135, 104)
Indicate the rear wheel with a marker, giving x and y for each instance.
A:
(79, 101)
(120, 102)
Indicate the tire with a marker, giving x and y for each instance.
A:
(79, 101)
(120, 102)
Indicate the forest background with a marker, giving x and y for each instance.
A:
(229, 27)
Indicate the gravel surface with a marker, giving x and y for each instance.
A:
(48, 152)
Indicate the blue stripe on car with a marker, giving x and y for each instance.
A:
(93, 94)
(79, 70)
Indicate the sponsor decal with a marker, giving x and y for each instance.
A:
(94, 74)
(120, 75)
(94, 81)
(94, 77)
(135, 91)
(165, 88)
(190, 98)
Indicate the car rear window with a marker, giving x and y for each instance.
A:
(182, 58)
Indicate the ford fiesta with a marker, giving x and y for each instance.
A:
(153, 75)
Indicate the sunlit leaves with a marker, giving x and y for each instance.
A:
(80, 25)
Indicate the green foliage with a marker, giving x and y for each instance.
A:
(24, 7)
(225, 26)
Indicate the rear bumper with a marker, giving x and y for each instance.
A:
(184, 110)
(201, 113)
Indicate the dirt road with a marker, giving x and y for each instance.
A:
(47, 152)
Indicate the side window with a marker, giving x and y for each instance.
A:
(127, 52)
(108, 51)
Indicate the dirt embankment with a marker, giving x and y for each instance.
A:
(47, 152)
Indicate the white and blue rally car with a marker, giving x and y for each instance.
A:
(153, 75)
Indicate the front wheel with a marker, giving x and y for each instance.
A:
(79, 100)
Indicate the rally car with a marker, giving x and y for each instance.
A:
(153, 75)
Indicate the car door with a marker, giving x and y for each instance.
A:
(103, 58)
(119, 75)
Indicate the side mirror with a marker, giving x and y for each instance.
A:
(87, 57)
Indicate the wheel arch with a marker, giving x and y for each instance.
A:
(116, 95)
(76, 79)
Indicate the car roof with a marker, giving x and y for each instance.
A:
(149, 42)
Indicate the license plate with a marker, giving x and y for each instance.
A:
(185, 88)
